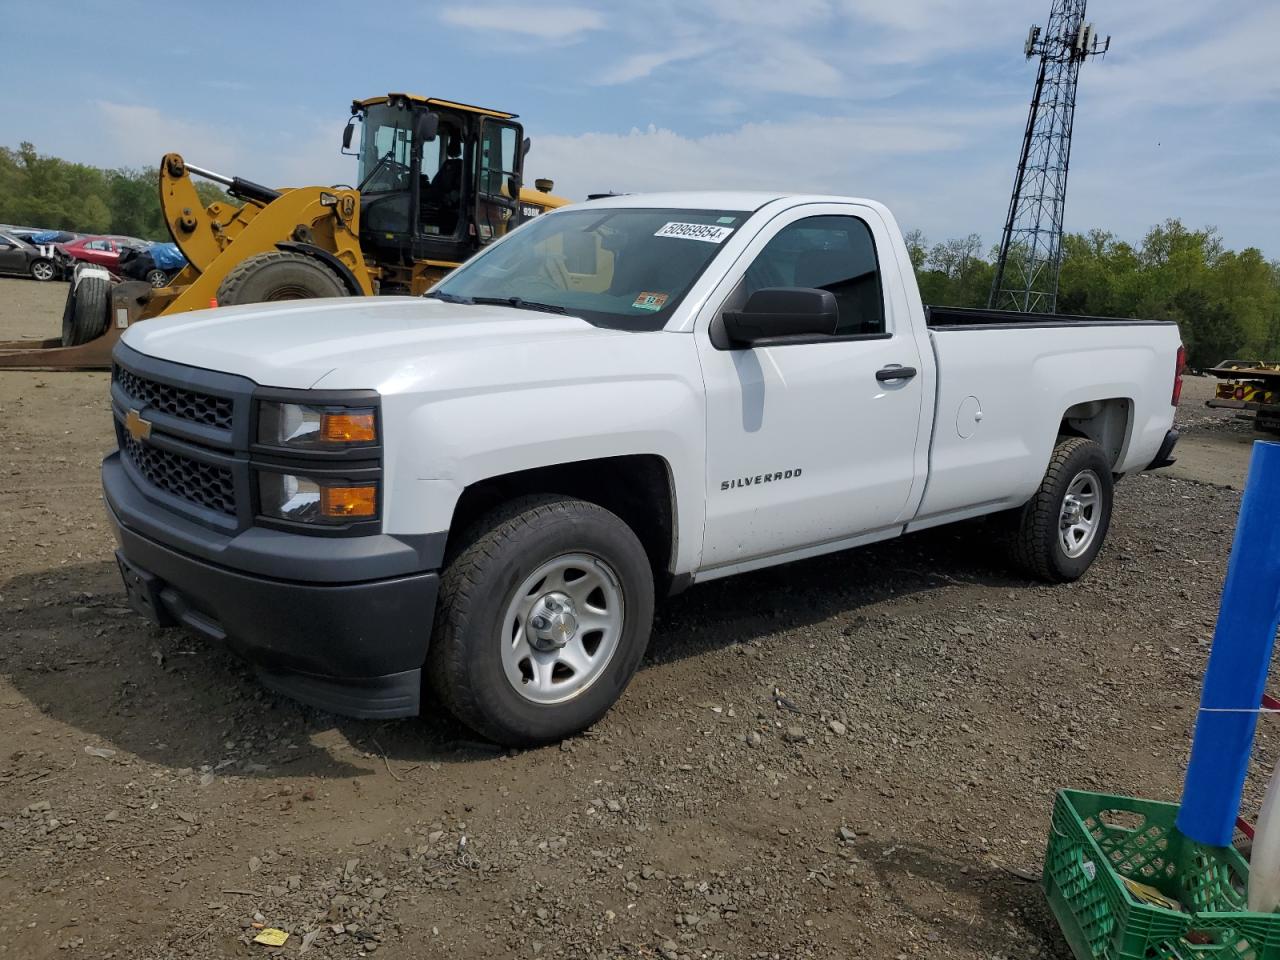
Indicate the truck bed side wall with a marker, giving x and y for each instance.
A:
(1023, 380)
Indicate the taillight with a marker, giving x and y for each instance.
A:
(1177, 374)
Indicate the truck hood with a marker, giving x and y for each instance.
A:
(295, 344)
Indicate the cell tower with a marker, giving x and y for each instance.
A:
(1031, 246)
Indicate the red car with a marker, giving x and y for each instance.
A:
(101, 250)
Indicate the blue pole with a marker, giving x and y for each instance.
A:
(1238, 662)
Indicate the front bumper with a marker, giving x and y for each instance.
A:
(354, 645)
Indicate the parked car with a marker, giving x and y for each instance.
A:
(104, 251)
(488, 489)
(157, 263)
(20, 257)
(49, 236)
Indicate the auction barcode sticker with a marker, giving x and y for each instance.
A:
(706, 232)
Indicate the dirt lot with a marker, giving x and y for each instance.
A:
(154, 799)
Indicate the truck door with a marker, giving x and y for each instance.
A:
(808, 442)
(498, 173)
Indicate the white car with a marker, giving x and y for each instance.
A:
(488, 488)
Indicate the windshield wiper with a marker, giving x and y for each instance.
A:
(448, 297)
(520, 303)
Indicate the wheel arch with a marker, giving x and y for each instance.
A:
(1107, 422)
(328, 259)
(639, 488)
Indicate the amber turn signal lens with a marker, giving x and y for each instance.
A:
(348, 501)
(353, 427)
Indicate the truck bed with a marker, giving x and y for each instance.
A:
(984, 319)
(1006, 381)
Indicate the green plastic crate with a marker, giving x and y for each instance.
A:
(1096, 839)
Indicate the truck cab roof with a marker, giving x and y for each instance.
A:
(744, 200)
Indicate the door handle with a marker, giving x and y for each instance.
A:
(886, 374)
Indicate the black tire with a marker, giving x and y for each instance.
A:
(157, 277)
(43, 270)
(267, 277)
(464, 665)
(68, 314)
(1037, 543)
(89, 305)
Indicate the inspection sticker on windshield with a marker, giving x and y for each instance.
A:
(650, 301)
(706, 232)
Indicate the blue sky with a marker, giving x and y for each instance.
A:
(919, 103)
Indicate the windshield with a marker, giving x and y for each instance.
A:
(622, 268)
(386, 149)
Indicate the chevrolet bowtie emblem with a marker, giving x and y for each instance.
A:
(138, 428)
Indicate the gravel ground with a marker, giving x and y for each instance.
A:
(848, 757)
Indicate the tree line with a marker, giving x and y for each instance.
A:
(1227, 303)
(49, 192)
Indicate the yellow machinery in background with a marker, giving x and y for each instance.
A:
(1251, 387)
(436, 181)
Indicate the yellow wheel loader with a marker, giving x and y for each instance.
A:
(436, 180)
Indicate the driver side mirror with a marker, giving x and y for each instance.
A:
(425, 127)
(783, 312)
(346, 134)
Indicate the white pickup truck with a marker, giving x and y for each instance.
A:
(485, 489)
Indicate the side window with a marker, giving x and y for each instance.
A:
(835, 253)
(497, 156)
(430, 163)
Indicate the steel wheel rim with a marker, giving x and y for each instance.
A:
(42, 271)
(562, 627)
(1081, 511)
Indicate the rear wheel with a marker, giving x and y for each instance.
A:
(279, 275)
(43, 270)
(1061, 529)
(543, 620)
(87, 311)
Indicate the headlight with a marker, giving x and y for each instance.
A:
(286, 496)
(316, 428)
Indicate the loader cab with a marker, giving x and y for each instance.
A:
(437, 179)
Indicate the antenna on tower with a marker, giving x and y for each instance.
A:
(1031, 245)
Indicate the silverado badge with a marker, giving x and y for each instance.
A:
(138, 428)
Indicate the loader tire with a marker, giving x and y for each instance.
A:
(87, 311)
(279, 275)
(68, 313)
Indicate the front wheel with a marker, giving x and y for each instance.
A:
(43, 270)
(1060, 530)
(157, 277)
(543, 619)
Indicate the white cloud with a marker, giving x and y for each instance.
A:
(545, 23)
(785, 66)
(816, 154)
(770, 14)
(138, 136)
(640, 65)
(1231, 60)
